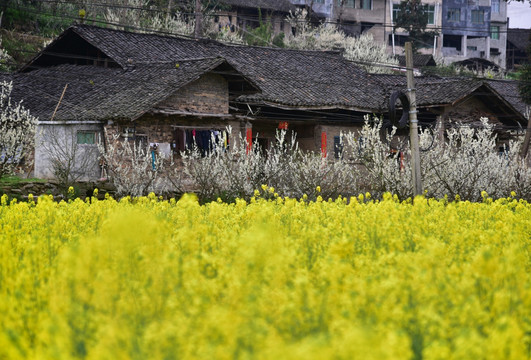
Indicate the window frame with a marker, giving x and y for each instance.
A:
(495, 35)
(453, 15)
(495, 6)
(364, 2)
(81, 137)
(478, 16)
(347, 3)
(396, 11)
(429, 10)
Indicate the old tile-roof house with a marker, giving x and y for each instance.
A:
(518, 40)
(161, 89)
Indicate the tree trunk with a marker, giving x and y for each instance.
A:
(168, 14)
(198, 19)
(525, 145)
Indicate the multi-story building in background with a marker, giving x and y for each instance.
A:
(474, 29)
(396, 37)
(465, 28)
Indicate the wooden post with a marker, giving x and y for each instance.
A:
(198, 20)
(413, 124)
(59, 103)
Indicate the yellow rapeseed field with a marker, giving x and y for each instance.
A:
(268, 279)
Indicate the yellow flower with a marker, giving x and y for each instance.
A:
(318, 189)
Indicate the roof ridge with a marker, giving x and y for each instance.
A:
(182, 60)
(207, 40)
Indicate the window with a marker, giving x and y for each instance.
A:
(478, 16)
(346, 3)
(495, 6)
(472, 48)
(454, 15)
(400, 40)
(495, 32)
(396, 11)
(319, 1)
(494, 51)
(366, 4)
(430, 11)
(86, 137)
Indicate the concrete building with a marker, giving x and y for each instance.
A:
(354, 17)
(474, 29)
(466, 28)
(396, 38)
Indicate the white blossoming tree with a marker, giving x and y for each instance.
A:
(17, 132)
(363, 49)
(131, 167)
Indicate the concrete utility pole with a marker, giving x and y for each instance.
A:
(413, 123)
(198, 20)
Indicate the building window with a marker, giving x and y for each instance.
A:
(495, 32)
(346, 3)
(86, 137)
(478, 16)
(472, 48)
(454, 15)
(429, 10)
(366, 4)
(396, 11)
(400, 40)
(495, 6)
(494, 51)
(319, 1)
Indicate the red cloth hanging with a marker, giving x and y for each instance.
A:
(323, 144)
(249, 139)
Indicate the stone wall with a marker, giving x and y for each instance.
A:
(22, 189)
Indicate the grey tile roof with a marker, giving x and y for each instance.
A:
(520, 38)
(96, 93)
(291, 79)
(433, 91)
(430, 90)
(287, 77)
(419, 60)
(508, 89)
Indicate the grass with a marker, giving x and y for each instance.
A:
(13, 180)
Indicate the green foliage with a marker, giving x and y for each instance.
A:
(278, 40)
(413, 18)
(20, 48)
(260, 36)
(13, 179)
(525, 79)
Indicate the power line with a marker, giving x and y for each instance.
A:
(255, 18)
